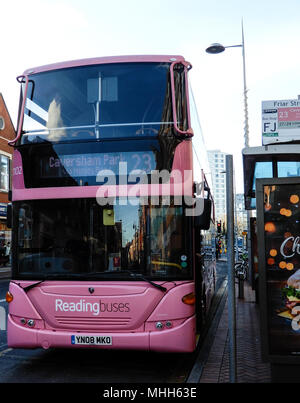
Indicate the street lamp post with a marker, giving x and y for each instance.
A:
(218, 48)
(214, 49)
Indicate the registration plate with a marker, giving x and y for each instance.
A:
(91, 340)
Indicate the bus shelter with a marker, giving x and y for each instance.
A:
(278, 218)
(269, 161)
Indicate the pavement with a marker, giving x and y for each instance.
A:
(5, 272)
(215, 357)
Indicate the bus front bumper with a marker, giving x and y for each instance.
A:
(181, 338)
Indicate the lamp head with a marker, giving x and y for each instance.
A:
(215, 48)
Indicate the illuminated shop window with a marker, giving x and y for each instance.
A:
(4, 173)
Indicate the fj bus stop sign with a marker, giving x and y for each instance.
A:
(280, 121)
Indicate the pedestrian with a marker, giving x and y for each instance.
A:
(7, 253)
(2, 248)
(217, 249)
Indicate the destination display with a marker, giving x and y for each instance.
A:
(89, 165)
(280, 121)
(279, 267)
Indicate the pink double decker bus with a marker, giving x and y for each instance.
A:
(111, 218)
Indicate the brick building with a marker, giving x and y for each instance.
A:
(7, 133)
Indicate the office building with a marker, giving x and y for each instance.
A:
(217, 162)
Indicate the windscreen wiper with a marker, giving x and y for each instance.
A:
(48, 277)
(160, 287)
(132, 274)
(27, 288)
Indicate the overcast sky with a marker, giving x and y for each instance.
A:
(37, 32)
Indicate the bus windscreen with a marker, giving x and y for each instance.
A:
(96, 102)
(79, 239)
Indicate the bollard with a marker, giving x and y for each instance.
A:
(2, 318)
(241, 288)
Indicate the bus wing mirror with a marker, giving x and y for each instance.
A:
(9, 215)
(187, 66)
(202, 221)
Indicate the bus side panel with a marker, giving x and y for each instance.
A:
(179, 339)
(171, 306)
(17, 177)
(20, 336)
(21, 305)
(183, 157)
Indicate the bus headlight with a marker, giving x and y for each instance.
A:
(189, 299)
(9, 297)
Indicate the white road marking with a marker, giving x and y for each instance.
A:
(5, 351)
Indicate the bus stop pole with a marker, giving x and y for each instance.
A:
(230, 267)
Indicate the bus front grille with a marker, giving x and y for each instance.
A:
(99, 323)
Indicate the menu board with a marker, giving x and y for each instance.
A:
(278, 232)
